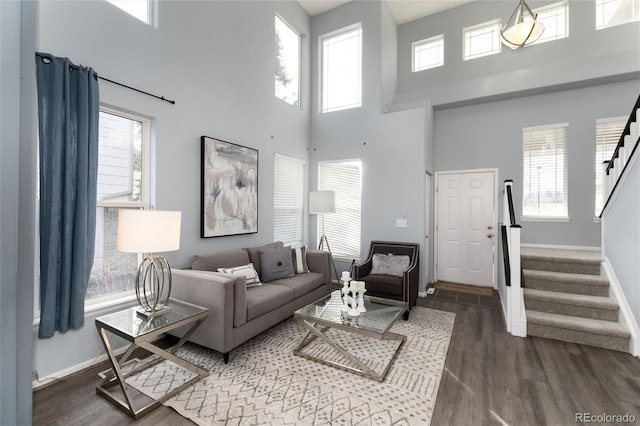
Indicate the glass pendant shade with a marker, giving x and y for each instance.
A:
(522, 28)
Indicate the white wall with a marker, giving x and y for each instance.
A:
(621, 233)
(215, 59)
(391, 146)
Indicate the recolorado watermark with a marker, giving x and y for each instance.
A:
(604, 418)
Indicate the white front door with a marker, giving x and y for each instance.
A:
(466, 227)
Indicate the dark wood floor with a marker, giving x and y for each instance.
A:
(489, 378)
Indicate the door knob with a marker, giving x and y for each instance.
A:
(489, 235)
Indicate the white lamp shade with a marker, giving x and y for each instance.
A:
(322, 202)
(148, 231)
(522, 34)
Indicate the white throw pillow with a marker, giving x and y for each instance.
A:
(247, 270)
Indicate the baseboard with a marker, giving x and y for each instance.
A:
(35, 384)
(561, 247)
(626, 315)
(422, 294)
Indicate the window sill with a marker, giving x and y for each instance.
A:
(597, 220)
(545, 218)
(103, 306)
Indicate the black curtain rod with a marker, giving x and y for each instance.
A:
(162, 98)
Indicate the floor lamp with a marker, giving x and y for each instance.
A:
(321, 202)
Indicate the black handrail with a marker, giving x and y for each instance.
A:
(512, 214)
(505, 255)
(626, 131)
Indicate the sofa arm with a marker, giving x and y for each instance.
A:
(363, 269)
(223, 294)
(320, 261)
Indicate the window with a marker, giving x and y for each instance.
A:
(544, 192)
(428, 53)
(555, 18)
(288, 200)
(608, 133)
(481, 40)
(341, 58)
(342, 227)
(287, 76)
(615, 12)
(123, 182)
(141, 9)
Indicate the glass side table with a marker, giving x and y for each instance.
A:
(140, 332)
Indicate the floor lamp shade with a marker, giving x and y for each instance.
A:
(322, 202)
(152, 232)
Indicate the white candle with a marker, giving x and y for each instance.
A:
(345, 276)
(361, 286)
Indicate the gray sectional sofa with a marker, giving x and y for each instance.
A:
(238, 312)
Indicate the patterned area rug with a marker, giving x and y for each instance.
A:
(265, 384)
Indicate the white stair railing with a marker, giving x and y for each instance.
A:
(614, 168)
(515, 311)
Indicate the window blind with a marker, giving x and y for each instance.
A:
(288, 200)
(608, 133)
(544, 192)
(342, 228)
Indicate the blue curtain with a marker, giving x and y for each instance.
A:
(68, 111)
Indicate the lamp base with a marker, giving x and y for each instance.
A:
(140, 311)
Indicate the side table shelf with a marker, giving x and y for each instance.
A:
(141, 333)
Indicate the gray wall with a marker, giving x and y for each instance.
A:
(585, 57)
(216, 60)
(490, 135)
(391, 146)
(17, 209)
(621, 232)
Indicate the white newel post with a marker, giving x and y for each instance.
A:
(516, 299)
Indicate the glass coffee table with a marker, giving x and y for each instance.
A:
(141, 332)
(324, 317)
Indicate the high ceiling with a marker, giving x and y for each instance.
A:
(403, 10)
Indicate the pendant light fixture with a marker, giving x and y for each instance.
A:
(522, 28)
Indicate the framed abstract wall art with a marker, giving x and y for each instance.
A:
(229, 189)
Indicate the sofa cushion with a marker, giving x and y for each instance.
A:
(254, 255)
(223, 259)
(302, 284)
(276, 263)
(266, 298)
(383, 284)
(299, 255)
(390, 264)
(248, 271)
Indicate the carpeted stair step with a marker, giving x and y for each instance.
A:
(577, 305)
(560, 260)
(592, 332)
(566, 283)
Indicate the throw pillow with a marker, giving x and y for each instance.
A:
(390, 264)
(276, 263)
(247, 270)
(299, 255)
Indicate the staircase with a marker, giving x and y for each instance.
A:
(566, 298)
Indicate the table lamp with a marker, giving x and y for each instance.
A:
(150, 232)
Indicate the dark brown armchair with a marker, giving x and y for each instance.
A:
(403, 287)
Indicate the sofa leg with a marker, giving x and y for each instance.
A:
(406, 316)
(225, 356)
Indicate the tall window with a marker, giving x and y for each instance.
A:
(141, 9)
(428, 53)
(545, 172)
(342, 227)
(341, 85)
(287, 76)
(288, 200)
(608, 133)
(481, 40)
(616, 12)
(555, 18)
(123, 182)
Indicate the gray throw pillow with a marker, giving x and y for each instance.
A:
(389, 264)
(276, 263)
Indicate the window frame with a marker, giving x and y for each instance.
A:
(495, 26)
(601, 3)
(434, 39)
(299, 207)
(321, 61)
(152, 11)
(527, 217)
(555, 6)
(299, 77)
(337, 254)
